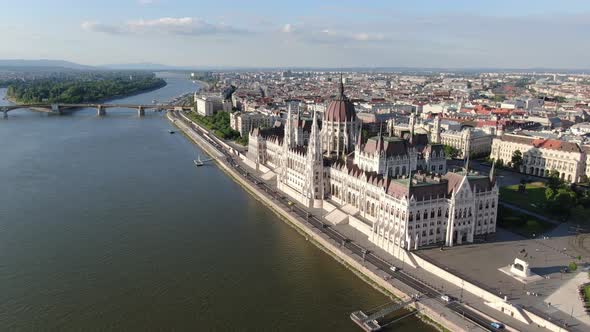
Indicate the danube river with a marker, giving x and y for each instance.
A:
(105, 224)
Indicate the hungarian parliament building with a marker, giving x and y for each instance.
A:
(394, 189)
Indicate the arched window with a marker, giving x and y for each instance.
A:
(425, 214)
(439, 212)
(411, 216)
(432, 213)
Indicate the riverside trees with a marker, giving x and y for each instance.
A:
(84, 87)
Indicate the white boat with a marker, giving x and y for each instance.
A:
(198, 162)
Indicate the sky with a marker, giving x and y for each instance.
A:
(302, 33)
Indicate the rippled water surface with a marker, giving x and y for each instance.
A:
(105, 224)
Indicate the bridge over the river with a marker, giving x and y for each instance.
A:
(58, 108)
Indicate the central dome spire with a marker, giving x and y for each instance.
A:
(341, 87)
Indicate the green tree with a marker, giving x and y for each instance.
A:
(563, 201)
(516, 159)
(554, 182)
(549, 194)
(450, 151)
(572, 266)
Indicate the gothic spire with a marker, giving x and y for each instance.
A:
(341, 86)
(380, 140)
(314, 149)
(288, 130)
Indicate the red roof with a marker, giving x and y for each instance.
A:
(501, 111)
(556, 145)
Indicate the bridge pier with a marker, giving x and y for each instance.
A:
(101, 111)
(4, 114)
(140, 111)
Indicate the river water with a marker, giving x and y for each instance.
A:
(105, 224)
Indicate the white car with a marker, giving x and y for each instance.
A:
(446, 298)
(393, 268)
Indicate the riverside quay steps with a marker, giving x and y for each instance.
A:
(376, 273)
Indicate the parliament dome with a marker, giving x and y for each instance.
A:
(340, 109)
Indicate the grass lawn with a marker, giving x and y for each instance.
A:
(533, 199)
(522, 223)
(587, 294)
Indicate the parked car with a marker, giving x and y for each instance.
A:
(497, 325)
(446, 298)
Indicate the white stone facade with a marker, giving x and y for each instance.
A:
(540, 156)
(245, 122)
(372, 184)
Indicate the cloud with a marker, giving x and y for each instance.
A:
(146, 2)
(329, 36)
(99, 27)
(165, 25)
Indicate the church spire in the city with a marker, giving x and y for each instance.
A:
(341, 87)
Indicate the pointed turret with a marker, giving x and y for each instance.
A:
(380, 142)
(314, 180)
(314, 149)
(288, 129)
(341, 87)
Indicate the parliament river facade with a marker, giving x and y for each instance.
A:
(105, 224)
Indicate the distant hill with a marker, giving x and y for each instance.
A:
(43, 63)
(141, 66)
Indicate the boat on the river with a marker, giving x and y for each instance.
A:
(198, 162)
(171, 131)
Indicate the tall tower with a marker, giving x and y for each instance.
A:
(436, 135)
(314, 177)
(287, 144)
(288, 137)
(412, 126)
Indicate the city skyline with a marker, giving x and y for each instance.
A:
(456, 34)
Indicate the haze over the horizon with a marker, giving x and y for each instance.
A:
(305, 33)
